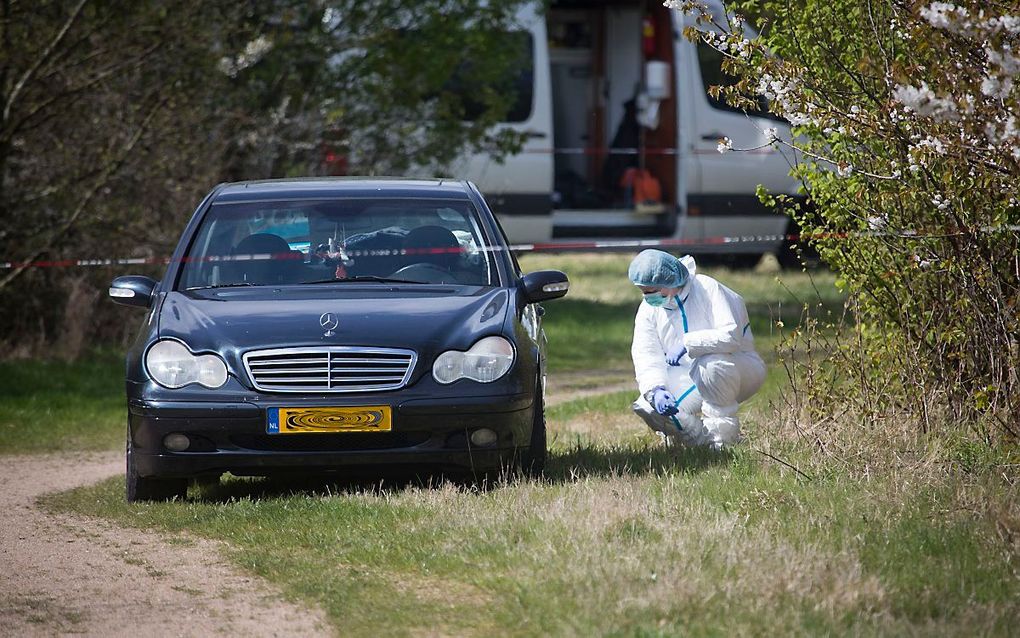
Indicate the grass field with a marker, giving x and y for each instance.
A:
(621, 537)
(52, 406)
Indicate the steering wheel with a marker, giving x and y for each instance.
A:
(426, 273)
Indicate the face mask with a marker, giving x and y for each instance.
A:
(655, 299)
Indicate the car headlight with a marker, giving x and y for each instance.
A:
(487, 360)
(172, 365)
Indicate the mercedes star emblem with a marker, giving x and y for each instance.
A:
(329, 322)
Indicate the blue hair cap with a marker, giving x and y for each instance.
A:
(657, 268)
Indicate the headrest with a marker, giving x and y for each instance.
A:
(261, 243)
(425, 237)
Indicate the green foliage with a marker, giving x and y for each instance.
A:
(116, 117)
(904, 115)
(380, 86)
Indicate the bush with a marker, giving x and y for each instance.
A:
(907, 142)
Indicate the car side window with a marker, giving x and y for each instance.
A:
(506, 242)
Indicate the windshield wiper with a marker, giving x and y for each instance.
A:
(235, 285)
(385, 280)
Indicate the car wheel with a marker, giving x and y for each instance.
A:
(533, 461)
(141, 488)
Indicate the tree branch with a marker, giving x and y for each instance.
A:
(9, 132)
(41, 60)
(100, 182)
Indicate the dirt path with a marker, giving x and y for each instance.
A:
(64, 575)
(567, 386)
(67, 575)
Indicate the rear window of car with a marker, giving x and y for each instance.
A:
(300, 242)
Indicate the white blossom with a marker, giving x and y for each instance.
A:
(996, 88)
(797, 119)
(923, 101)
(744, 48)
(253, 52)
(1010, 24)
(725, 145)
(771, 134)
(943, 15)
(933, 143)
(1004, 59)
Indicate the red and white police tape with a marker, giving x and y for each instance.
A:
(553, 246)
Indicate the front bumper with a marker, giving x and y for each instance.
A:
(231, 436)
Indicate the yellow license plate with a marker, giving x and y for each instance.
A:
(368, 418)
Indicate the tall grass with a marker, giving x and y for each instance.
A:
(622, 537)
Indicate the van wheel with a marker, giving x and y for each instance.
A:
(142, 488)
(533, 461)
(743, 261)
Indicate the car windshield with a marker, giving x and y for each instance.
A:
(338, 240)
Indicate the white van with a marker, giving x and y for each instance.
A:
(615, 86)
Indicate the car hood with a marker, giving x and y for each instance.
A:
(423, 318)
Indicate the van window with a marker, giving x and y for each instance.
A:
(518, 79)
(712, 74)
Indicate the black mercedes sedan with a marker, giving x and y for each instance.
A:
(336, 325)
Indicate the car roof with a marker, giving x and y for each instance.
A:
(331, 187)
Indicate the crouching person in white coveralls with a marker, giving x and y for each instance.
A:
(693, 351)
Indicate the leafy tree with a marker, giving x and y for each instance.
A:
(908, 144)
(117, 115)
(388, 85)
(86, 90)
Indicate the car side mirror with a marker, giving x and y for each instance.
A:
(542, 285)
(133, 290)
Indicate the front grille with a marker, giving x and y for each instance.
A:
(329, 442)
(335, 369)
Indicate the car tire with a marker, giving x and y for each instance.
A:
(533, 461)
(142, 488)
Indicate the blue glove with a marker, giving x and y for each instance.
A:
(664, 402)
(675, 354)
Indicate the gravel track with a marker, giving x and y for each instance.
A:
(68, 575)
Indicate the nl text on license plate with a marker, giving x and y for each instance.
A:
(369, 418)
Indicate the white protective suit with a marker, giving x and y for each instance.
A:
(720, 370)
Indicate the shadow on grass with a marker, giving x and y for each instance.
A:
(329, 484)
(585, 460)
(580, 462)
